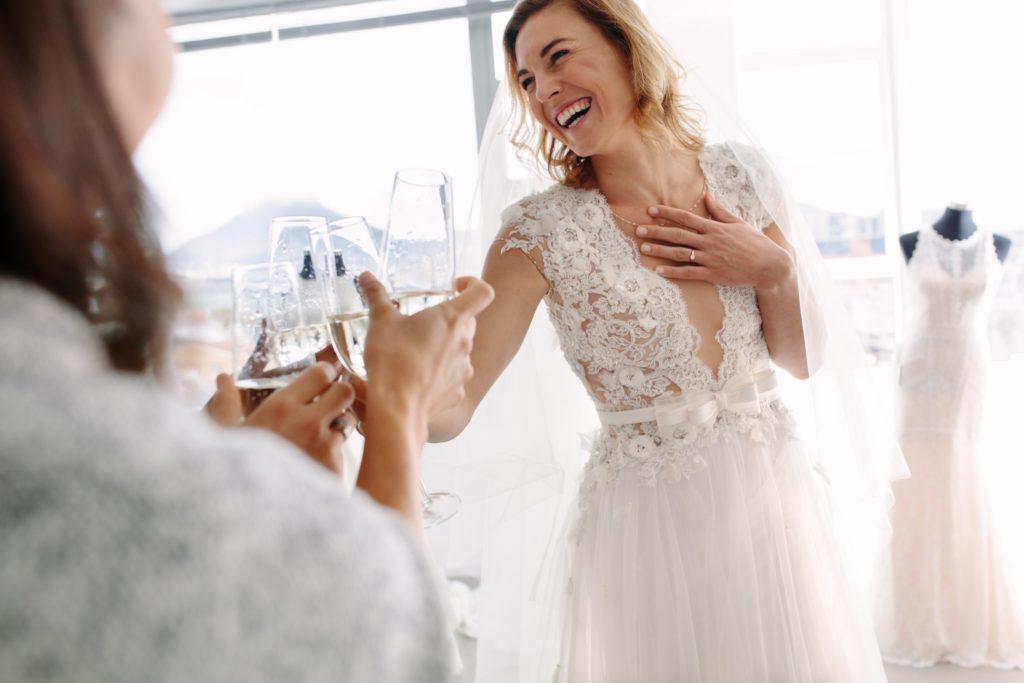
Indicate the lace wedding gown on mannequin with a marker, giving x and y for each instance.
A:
(947, 597)
(699, 548)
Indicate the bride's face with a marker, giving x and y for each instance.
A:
(576, 83)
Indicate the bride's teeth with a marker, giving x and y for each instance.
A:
(572, 110)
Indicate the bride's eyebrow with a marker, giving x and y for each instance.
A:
(543, 53)
(547, 48)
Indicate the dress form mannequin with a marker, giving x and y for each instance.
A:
(945, 592)
(957, 223)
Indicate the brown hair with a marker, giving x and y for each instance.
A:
(71, 203)
(662, 114)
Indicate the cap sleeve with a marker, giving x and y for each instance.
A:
(524, 229)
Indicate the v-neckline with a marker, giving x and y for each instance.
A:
(714, 375)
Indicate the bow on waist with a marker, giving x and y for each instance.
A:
(743, 393)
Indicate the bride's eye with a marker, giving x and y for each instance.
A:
(526, 83)
(558, 55)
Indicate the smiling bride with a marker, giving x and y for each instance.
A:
(701, 546)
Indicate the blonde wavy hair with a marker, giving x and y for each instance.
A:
(662, 114)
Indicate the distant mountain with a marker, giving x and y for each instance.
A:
(244, 239)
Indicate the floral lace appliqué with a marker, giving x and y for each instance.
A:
(625, 330)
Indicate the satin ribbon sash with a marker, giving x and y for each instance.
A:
(744, 394)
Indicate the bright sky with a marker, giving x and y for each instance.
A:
(307, 119)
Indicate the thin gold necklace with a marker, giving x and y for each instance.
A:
(703, 192)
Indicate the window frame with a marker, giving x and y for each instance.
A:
(477, 13)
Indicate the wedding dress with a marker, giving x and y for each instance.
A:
(699, 547)
(946, 595)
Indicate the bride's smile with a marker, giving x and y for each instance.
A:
(571, 114)
(576, 82)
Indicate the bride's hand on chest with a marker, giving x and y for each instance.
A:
(722, 249)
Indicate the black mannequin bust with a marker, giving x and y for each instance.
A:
(956, 223)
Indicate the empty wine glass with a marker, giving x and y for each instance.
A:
(269, 341)
(419, 266)
(341, 251)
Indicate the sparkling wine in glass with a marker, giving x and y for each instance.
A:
(270, 340)
(341, 251)
(419, 245)
(291, 241)
(419, 267)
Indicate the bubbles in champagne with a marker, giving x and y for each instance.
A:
(256, 390)
(410, 303)
(293, 346)
(348, 333)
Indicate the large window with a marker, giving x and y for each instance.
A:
(960, 139)
(297, 114)
(880, 114)
(818, 101)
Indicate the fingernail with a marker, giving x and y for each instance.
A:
(653, 211)
(646, 248)
(660, 270)
(641, 231)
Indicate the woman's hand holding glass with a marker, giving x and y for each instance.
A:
(419, 265)
(279, 385)
(416, 366)
(341, 251)
(311, 411)
(422, 360)
(308, 412)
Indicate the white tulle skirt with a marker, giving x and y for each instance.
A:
(728, 574)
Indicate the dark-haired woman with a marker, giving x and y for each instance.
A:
(138, 540)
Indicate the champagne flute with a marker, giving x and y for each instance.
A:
(269, 341)
(419, 246)
(419, 266)
(341, 251)
(291, 242)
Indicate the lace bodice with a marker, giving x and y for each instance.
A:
(623, 328)
(952, 283)
(943, 364)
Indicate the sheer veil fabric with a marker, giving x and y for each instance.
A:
(519, 463)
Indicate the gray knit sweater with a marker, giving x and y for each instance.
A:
(140, 542)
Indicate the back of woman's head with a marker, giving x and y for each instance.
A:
(70, 199)
(662, 115)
